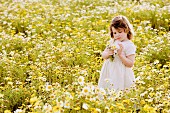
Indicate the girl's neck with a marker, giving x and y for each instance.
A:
(125, 40)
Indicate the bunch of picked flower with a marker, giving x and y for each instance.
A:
(113, 45)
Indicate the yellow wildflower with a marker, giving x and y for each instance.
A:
(95, 110)
(33, 100)
(56, 109)
(7, 111)
(120, 105)
(127, 101)
(142, 102)
(113, 47)
(152, 94)
(77, 108)
(149, 109)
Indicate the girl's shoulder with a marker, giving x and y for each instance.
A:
(129, 44)
(129, 47)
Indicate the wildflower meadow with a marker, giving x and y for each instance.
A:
(50, 56)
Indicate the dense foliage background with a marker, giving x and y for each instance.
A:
(50, 56)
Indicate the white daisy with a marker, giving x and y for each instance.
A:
(81, 80)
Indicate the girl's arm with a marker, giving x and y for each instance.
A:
(126, 60)
(106, 53)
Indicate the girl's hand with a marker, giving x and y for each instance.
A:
(126, 60)
(120, 51)
(106, 53)
(109, 51)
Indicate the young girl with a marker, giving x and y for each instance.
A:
(116, 73)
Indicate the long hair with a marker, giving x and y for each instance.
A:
(122, 22)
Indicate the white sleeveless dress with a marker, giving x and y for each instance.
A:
(114, 74)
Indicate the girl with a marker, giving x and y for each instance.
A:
(117, 73)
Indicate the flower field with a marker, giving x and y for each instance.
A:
(50, 56)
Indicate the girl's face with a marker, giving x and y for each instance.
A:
(119, 34)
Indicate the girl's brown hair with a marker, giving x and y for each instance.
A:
(122, 22)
